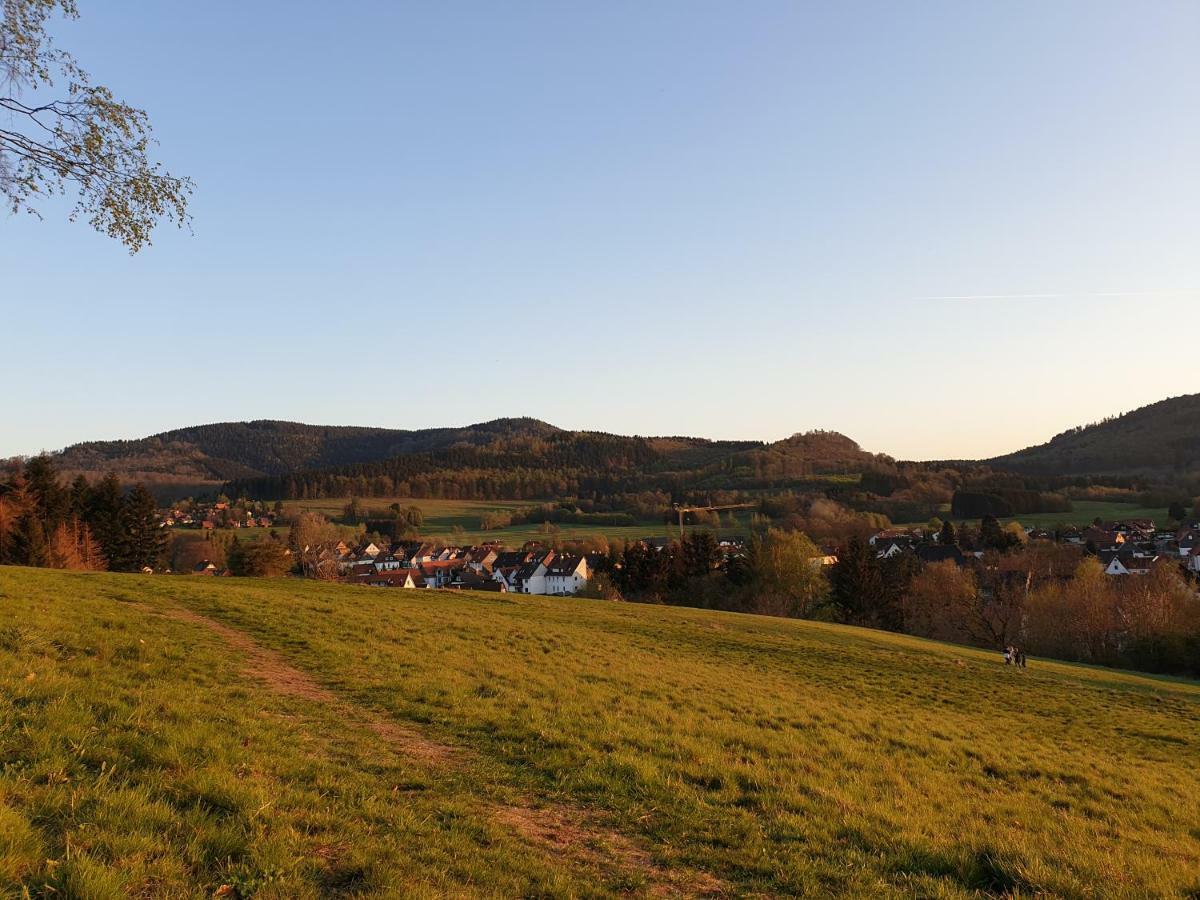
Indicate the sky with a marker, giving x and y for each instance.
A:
(947, 230)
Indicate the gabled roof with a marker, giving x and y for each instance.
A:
(528, 570)
(565, 565)
(931, 553)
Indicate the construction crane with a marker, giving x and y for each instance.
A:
(684, 510)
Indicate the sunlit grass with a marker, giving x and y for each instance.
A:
(779, 756)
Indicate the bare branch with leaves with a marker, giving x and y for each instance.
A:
(86, 142)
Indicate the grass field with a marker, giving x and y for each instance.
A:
(1083, 512)
(199, 737)
(441, 517)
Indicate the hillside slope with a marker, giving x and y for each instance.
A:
(213, 454)
(190, 737)
(1162, 438)
(524, 457)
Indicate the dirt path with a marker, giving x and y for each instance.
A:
(557, 829)
(269, 667)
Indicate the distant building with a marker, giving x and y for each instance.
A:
(566, 575)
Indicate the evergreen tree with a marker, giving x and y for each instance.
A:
(236, 558)
(699, 554)
(80, 496)
(856, 583)
(52, 500)
(992, 536)
(29, 544)
(104, 514)
(145, 540)
(948, 537)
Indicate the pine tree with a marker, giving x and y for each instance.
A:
(145, 539)
(948, 537)
(29, 544)
(52, 500)
(104, 517)
(856, 583)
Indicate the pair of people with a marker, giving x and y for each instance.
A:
(1014, 657)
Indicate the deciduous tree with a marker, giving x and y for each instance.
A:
(60, 133)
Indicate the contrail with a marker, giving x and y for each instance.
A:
(1075, 296)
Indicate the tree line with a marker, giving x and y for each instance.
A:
(81, 525)
(1050, 599)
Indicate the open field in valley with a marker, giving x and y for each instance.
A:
(441, 517)
(287, 739)
(1082, 514)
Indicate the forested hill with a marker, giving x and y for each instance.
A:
(513, 458)
(210, 455)
(1162, 439)
(582, 464)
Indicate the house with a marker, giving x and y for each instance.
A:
(1194, 560)
(399, 578)
(883, 537)
(511, 559)
(934, 553)
(208, 523)
(529, 578)
(481, 559)
(1189, 540)
(440, 572)
(1102, 538)
(1129, 564)
(422, 553)
(204, 567)
(886, 549)
(469, 580)
(386, 562)
(566, 575)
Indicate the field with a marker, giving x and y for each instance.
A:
(1083, 512)
(199, 737)
(442, 516)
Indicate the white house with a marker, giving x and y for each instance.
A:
(1130, 565)
(1116, 567)
(888, 549)
(531, 577)
(1194, 560)
(566, 575)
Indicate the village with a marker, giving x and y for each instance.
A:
(1124, 548)
(1131, 547)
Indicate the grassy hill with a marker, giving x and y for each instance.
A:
(1161, 439)
(200, 737)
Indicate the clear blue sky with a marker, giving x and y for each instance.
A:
(723, 219)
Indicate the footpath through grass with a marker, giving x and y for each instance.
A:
(338, 740)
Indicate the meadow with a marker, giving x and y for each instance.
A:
(171, 736)
(1082, 513)
(443, 516)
